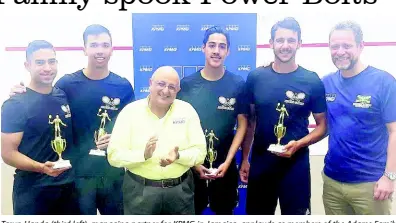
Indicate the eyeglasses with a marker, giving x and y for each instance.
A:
(162, 85)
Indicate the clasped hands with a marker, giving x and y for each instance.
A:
(171, 157)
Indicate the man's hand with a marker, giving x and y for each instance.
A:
(18, 89)
(103, 142)
(222, 170)
(172, 156)
(48, 169)
(290, 149)
(150, 147)
(383, 189)
(202, 171)
(244, 171)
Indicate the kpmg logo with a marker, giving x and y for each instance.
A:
(145, 49)
(232, 27)
(158, 28)
(170, 49)
(195, 49)
(244, 68)
(183, 28)
(244, 48)
(146, 68)
(205, 27)
(144, 89)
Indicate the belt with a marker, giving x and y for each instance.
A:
(165, 183)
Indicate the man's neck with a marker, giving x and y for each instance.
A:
(160, 112)
(96, 73)
(357, 69)
(212, 73)
(284, 68)
(40, 88)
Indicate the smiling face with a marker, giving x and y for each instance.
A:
(164, 86)
(285, 44)
(42, 66)
(344, 49)
(98, 49)
(216, 50)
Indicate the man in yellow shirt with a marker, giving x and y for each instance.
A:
(158, 139)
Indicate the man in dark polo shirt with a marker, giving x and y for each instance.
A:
(216, 95)
(282, 96)
(30, 124)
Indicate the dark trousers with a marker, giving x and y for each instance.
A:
(46, 200)
(221, 194)
(286, 179)
(142, 199)
(100, 193)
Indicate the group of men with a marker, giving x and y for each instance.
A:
(174, 151)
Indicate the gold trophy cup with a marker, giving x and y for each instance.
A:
(100, 132)
(212, 153)
(58, 144)
(279, 130)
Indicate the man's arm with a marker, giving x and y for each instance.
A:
(317, 134)
(238, 138)
(121, 152)
(11, 156)
(391, 159)
(249, 137)
(195, 154)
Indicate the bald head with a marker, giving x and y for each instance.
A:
(166, 73)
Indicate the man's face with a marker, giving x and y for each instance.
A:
(99, 49)
(285, 44)
(345, 52)
(42, 66)
(216, 50)
(163, 89)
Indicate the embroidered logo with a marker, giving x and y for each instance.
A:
(330, 97)
(226, 103)
(179, 121)
(66, 109)
(295, 98)
(110, 103)
(362, 101)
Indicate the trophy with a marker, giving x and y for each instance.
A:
(279, 130)
(100, 132)
(58, 144)
(212, 153)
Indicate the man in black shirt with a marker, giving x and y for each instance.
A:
(31, 125)
(217, 96)
(282, 96)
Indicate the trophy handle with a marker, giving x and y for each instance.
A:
(284, 131)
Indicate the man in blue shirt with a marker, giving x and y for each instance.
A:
(360, 165)
(30, 123)
(282, 96)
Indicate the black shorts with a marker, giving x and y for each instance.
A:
(221, 195)
(45, 200)
(287, 179)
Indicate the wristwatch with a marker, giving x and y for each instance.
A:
(390, 175)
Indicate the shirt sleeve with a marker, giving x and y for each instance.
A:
(318, 97)
(388, 96)
(62, 83)
(243, 106)
(13, 117)
(195, 154)
(120, 151)
(131, 94)
(248, 89)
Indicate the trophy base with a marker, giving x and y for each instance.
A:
(213, 172)
(276, 148)
(97, 152)
(62, 164)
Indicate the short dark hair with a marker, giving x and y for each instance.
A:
(95, 29)
(213, 30)
(349, 25)
(37, 45)
(287, 23)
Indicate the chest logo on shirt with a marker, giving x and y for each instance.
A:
(362, 101)
(66, 109)
(110, 103)
(226, 103)
(330, 97)
(295, 98)
(179, 121)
